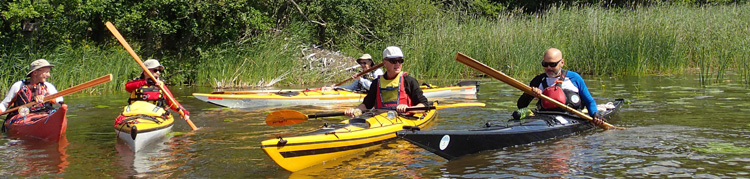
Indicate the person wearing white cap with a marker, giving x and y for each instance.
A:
(145, 89)
(32, 89)
(362, 83)
(393, 90)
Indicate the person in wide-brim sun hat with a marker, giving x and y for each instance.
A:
(32, 89)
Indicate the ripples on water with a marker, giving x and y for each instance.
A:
(676, 129)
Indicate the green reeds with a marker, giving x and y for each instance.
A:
(606, 42)
(73, 66)
(251, 65)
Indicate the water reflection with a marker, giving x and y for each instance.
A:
(669, 119)
(157, 160)
(30, 158)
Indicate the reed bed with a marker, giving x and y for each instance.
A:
(73, 66)
(661, 40)
(656, 40)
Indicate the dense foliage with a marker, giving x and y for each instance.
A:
(188, 35)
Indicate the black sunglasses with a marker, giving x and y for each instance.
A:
(156, 70)
(550, 64)
(395, 60)
(363, 62)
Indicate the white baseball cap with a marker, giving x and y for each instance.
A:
(392, 52)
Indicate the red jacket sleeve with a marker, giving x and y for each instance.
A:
(130, 86)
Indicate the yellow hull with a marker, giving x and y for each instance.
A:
(257, 99)
(339, 140)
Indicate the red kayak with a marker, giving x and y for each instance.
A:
(48, 126)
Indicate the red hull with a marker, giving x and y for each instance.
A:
(50, 127)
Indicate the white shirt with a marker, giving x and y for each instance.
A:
(17, 87)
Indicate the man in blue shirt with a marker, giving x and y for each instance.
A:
(574, 88)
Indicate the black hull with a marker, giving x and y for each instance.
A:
(543, 126)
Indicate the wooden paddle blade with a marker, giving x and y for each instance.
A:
(461, 105)
(285, 118)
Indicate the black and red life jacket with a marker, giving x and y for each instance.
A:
(556, 92)
(27, 93)
(148, 93)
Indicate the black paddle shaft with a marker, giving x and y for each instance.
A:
(326, 115)
(342, 113)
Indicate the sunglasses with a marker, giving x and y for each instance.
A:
(363, 62)
(155, 70)
(395, 60)
(550, 64)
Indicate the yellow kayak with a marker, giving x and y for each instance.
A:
(341, 139)
(266, 98)
(142, 123)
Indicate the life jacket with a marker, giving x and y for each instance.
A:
(27, 93)
(556, 92)
(148, 93)
(391, 93)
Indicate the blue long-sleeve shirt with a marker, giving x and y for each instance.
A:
(572, 81)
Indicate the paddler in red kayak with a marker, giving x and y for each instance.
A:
(565, 86)
(393, 90)
(32, 89)
(145, 89)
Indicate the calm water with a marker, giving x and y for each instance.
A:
(675, 129)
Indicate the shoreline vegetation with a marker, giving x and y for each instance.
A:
(595, 40)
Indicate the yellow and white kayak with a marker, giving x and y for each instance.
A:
(341, 139)
(265, 98)
(142, 123)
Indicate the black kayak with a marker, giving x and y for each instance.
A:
(451, 144)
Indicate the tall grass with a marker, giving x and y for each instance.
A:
(650, 40)
(73, 66)
(252, 65)
(669, 39)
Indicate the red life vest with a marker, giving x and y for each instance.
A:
(555, 92)
(402, 97)
(27, 93)
(151, 94)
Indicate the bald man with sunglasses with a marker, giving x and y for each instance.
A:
(556, 81)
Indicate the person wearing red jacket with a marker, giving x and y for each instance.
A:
(145, 89)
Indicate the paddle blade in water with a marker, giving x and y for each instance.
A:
(285, 118)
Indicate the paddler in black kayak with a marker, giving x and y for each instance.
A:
(393, 90)
(565, 86)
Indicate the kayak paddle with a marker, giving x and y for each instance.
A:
(290, 117)
(468, 61)
(125, 44)
(362, 73)
(77, 88)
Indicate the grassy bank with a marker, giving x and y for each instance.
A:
(73, 66)
(661, 40)
(654, 40)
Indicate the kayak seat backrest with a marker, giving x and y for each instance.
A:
(359, 122)
(468, 83)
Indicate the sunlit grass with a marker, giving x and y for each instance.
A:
(605, 42)
(658, 40)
